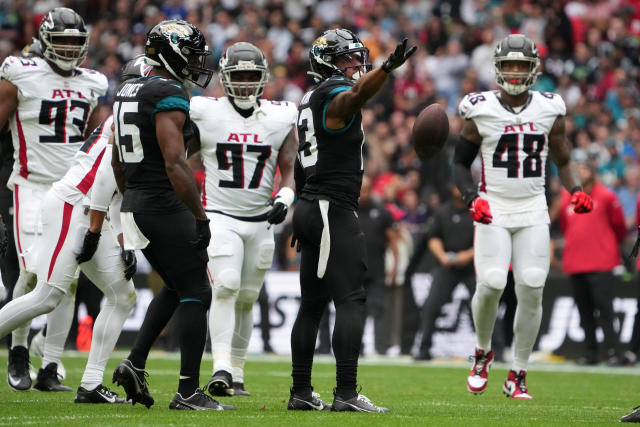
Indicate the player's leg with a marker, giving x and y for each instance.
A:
(314, 298)
(226, 253)
(602, 292)
(531, 257)
(491, 259)
(259, 248)
(106, 271)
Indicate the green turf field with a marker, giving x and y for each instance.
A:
(418, 394)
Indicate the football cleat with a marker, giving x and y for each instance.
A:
(358, 403)
(48, 380)
(298, 402)
(479, 375)
(633, 417)
(134, 382)
(238, 389)
(220, 384)
(36, 348)
(198, 401)
(516, 385)
(18, 371)
(100, 394)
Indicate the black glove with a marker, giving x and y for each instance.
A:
(4, 241)
(278, 212)
(398, 57)
(130, 263)
(203, 234)
(89, 247)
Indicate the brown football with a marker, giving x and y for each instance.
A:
(430, 131)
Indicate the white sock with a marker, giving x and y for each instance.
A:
(241, 337)
(121, 297)
(21, 310)
(58, 324)
(484, 307)
(526, 324)
(25, 284)
(222, 321)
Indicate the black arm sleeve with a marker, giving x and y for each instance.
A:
(465, 152)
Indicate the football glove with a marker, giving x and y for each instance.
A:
(398, 57)
(581, 201)
(280, 205)
(203, 234)
(89, 247)
(130, 262)
(4, 241)
(479, 210)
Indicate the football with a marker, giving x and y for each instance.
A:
(430, 131)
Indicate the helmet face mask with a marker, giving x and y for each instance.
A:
(64, 38)
(516, 47)
(244, 74)
(336, 51)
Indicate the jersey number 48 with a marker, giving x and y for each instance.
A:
(506, 154)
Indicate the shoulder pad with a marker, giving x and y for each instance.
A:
(201, 107)
(98, 80)
(471, 104)
(555, 101)
(13, 68)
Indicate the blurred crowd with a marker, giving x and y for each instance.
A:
(589, 50)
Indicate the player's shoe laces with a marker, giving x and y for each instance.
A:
(100, 394)
(516, 385)
(359, 403)
(48, 380)
(18, 371)
(134, 382)
(238, 389)
(198, 401)
(298, 402)
(220, 384)
(633, 417)
(479, 375)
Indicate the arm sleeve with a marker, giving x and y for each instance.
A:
(114, 214)
(465, 152)
(104, 185)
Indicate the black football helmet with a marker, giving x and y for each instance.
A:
(33, 49)
(59, 27)
(243, 57)
(516, 47)
(330, 46)
(136, 67)
(180, 48)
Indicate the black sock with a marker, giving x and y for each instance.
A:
(303, 344)
(158, 314)
(192, 324)
(347, 337)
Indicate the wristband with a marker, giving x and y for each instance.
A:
(286, 195)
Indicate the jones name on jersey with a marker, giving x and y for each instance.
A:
(514, 148)
(240, 154)
(49, 123)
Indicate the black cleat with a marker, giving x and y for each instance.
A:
(100, 394)
(48, 380)
(134, 382)
(359, 403)
(633, 417)
(220, 384)
(198, 401)
(18, 376)
(306, 403)
(238, 389)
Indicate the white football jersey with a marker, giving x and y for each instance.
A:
(48, 125)
(514, 148)
(76, 185)
(240, 154)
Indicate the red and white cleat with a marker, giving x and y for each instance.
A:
(516, 385)
(479, 375)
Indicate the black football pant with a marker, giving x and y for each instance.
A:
(186, 292)
(342, 282)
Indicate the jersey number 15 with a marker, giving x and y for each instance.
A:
(127, 133)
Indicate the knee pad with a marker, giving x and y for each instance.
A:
(493, 278)
(203, 297)
(533, 277)
(48, 297)
(246, 297)
(123, 293)
(226, 284)
(358, 297)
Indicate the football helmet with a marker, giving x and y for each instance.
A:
(135, 68)
(243, 57)
(333, 44)
(516, 47)
(64, 38)
(180, 48)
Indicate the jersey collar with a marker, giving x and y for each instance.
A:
(508, 107)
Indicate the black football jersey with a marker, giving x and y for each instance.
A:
(148, 189)
(331, 159)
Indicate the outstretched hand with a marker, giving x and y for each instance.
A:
(398, 57)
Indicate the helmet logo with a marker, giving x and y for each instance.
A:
(174, 31)
(320, 41)
(47, 22)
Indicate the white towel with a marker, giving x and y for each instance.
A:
(133, 237)
(325, 240)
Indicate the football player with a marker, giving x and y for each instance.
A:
(75, 204)
(242, 140)
(515, 130)
(161, 209)
(328, 175)
(52, 106)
